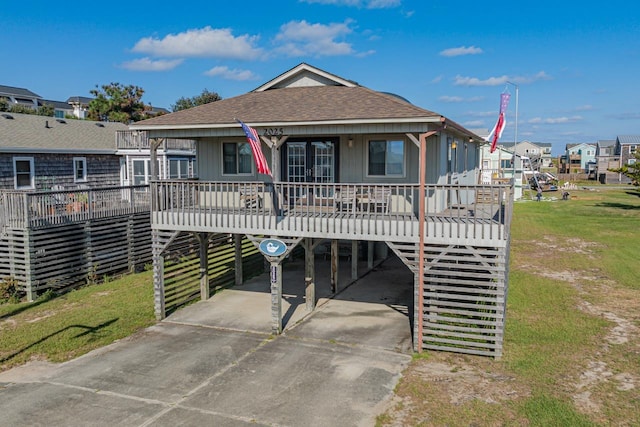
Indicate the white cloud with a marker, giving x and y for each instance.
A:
(501, 80)
(555, 120)
(229, 74)
(300, 38)
(368, 4)
(147, 64)
(462, 50)
(202, 42)
(586, 107)
(473, 123)
(459, 99)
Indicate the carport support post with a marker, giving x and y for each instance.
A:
(334, 266)
(203, 239)
(309, 275)
(237, 242)
(369, 255)
(354, 259)
(276, 297)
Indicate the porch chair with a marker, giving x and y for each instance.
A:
(346, 198)
(379, 198)
(250, 195)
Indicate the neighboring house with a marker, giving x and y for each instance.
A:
(606, 159)
(349, 164)
(79, 105)
(43, 153)
(501, 166)
(19, 96)
(538, 152)
(578, 159)
(175, 157)
(60, 109)
(626, 147)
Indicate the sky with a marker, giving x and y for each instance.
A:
(572, 68)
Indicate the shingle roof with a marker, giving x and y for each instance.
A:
(79, 100)
(629, 139)
(29, 133)
(295, 104)
(17, 92)
(55, 104)
(606, 142)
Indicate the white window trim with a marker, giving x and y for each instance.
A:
(252, 173)
(84, 169)
(32, 176)
(404, 159)
(178, 159)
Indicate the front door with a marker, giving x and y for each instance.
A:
(310, 161)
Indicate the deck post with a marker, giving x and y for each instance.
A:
(370, 255)
(354, 259)
(309, 275)
(334, 266)
(158, 278)
(276, 297)
(203, 239)
(237, 242)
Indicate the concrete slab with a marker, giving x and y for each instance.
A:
(297, 383)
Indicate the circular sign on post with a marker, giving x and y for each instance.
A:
(272, 247)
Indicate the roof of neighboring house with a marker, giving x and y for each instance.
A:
(55, 104)
(606, 142)
(28, 133)
(17, 92)
(579, 144)
(629, 139)
(79, 100)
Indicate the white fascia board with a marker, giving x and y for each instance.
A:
(428, 119)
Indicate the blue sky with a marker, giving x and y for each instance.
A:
(575, 64)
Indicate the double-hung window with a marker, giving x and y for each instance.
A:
(385, 158)
(178, 168)
(23, 173)
(79, 169)
(236, 158)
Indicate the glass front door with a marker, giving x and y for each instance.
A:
(311, 161)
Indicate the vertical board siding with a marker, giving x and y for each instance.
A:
(182, 266)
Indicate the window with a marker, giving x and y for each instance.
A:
(631, 161)
(505, 164)
(79, 169)
(236, 158)
(178, 168)
(632, 149)
(386, 158)
(23, 173)
(140, 172)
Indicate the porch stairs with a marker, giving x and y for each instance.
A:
(460, 300)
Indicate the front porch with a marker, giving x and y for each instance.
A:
(454, 214)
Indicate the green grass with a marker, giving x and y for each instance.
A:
(75, 323)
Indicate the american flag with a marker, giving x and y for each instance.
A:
(256, 149)
(496, 133)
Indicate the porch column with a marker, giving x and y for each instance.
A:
(309, 275)
(354, 259)
(203, 239)
(370, 255)
(334, 266)
(158, 281)
(237, 242)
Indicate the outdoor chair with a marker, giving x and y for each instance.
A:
(251, 195)
(379, 199)
(346, 198)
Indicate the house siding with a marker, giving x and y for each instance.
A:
(57, 169)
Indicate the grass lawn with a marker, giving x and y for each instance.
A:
(572, 342)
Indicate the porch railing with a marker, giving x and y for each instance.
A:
(351, 210)
(139, 140)
(21, 209)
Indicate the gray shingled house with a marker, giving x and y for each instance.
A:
(349, 164)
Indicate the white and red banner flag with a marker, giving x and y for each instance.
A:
(497, 130)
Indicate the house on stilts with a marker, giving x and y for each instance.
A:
(349, 164)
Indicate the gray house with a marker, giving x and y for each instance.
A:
(349, 164)
(43, 153)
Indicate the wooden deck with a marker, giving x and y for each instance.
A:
(454, 214)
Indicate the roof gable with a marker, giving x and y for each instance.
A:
(304, 75)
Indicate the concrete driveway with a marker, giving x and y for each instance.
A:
(215, 362)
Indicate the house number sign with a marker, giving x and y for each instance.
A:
(273, 132)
